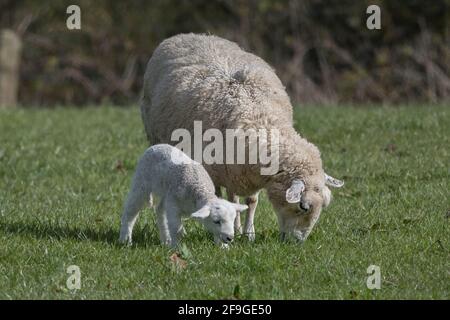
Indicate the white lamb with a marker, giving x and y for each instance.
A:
(183, 188)
(209, 79)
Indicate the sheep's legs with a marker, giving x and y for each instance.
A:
(249, 227)
(218, 192)
(169, 223)
(134, 203)
(237, 222)
(282, 226)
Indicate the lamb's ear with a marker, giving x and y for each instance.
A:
(333, 182)
(202, 213)
(240, 207)
(294, 193)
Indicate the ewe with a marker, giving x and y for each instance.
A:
(205, 78)
(183, 187)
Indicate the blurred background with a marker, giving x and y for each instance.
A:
(321, 50)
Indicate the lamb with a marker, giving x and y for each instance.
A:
(205, 78)
(184, 188)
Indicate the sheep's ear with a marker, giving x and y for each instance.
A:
(202, 213)
(240, 207)
(333, 182)
(294, 193)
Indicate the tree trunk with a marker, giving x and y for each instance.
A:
(10, 52)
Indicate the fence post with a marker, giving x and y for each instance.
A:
(10, 52)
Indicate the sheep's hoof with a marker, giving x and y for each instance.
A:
(250, 236)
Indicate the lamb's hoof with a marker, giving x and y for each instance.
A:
(125, 240)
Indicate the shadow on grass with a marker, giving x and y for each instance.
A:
(142, 237)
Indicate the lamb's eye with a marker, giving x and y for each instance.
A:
(217, 221)
(316, 189)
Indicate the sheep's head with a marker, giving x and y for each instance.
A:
(218, 217)
(299, 202)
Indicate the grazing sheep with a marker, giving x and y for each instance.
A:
(209, 79)
(184, 188)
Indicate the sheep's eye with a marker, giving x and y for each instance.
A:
(316, 189)
(217, 222)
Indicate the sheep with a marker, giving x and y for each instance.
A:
(184, 188)
(205, 78)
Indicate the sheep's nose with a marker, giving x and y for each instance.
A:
(229, 239)
(304, 206)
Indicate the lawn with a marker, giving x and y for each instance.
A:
(64, 174)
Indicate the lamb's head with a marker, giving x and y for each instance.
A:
(299, 202)
(218, 216)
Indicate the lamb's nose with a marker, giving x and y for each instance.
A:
(229, 239)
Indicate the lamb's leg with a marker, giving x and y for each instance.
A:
(181, 231)
(163, 223)
(174, 223)
(151, 202)
(134, 203)
(249, 227)
(237, 222)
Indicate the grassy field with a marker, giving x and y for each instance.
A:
(64, 174)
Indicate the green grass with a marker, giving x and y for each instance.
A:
(64, 174)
